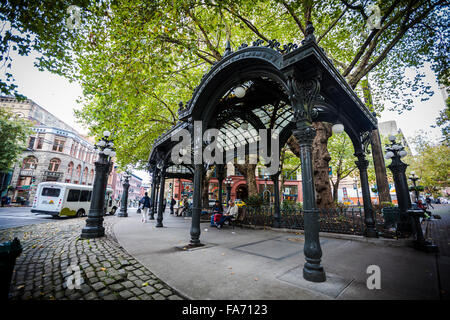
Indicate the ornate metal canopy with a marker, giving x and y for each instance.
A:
(268, 87)
(264, 71)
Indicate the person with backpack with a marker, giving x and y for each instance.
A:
(145, 201)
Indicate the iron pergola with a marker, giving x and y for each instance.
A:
(286, 89)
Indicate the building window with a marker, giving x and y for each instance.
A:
(40, 142)
(24, 181)
(70, 168)
(58, 145)
(29, 163)
(290, 177)
(91, 177)
(78, 173)
(85, 175)
(54, 165)
(31, 143)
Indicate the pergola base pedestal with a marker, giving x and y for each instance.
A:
(90, 232)
(425, 246)
(371, 233)
(314, 274)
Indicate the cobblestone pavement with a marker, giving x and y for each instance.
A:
(47, 267)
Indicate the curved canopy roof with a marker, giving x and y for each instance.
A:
(262, 71)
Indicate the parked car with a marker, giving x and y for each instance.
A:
(239, 203)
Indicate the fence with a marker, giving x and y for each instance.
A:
(341, 220)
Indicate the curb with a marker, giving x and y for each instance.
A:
(351, 237)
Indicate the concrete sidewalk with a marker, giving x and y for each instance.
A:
(265, 264)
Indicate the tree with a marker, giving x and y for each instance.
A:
(14, 132)
(135, 60)
(443, 121)
(289, 164)
(431, 164)
(342, 160)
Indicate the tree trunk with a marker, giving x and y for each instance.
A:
(321, 158)
(251, 180)
(248, 171)
(380, 168)
(205, 189)
(377, 151)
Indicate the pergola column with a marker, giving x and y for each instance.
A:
(154, 204)
(277, 212)
(159, 219)
(197, 206)
(312, 270)
(153, 194)
(369, 219)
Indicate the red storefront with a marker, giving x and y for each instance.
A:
(292, 189)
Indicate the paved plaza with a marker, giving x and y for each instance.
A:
(138, 261)
(266, 264)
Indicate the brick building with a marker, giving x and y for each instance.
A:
(55, 151)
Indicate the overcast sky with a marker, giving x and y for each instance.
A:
(57, 95)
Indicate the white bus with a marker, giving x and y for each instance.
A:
(67, 200)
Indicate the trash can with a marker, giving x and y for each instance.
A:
(9, 251)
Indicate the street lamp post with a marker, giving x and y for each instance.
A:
(228, 183)
(124, 202)
(94, 222)
(396, 151)
(414, 178)
(355, 180)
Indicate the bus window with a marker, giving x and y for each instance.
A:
(73, 195)
(84, 196)
(50, 192)
(90, 196)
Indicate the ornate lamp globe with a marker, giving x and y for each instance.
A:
(239, 92)
(337, 128)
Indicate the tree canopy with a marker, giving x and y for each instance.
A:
(135, 59)
(14, 132)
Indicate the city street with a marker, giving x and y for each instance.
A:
(12, 217)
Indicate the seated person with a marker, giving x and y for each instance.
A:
(216, 213)
(231, 214)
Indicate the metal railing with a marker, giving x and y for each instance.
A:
(340, 220)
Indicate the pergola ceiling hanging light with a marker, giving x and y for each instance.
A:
(337, 128)
(240, 92)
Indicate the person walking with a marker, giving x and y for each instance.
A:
(428, 200)
(172, 203)
(145, 206)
